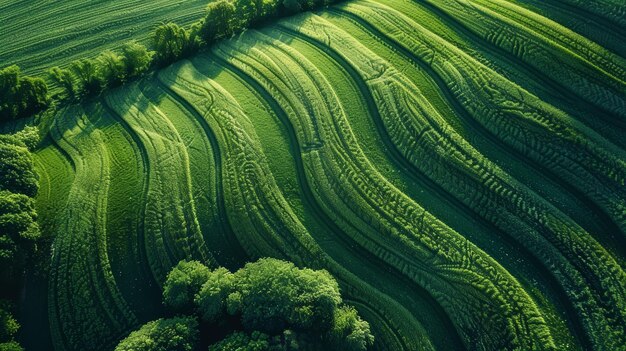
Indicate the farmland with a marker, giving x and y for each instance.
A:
(459, 167)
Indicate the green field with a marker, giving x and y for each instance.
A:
(38, 35)
(458, 166)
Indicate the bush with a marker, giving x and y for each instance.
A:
(349, 331)
(183, 283)
(174, 334)
(64, 79)
(11, 346)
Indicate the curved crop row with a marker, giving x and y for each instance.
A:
(253, 208)
(395, 229)
(171, 228)
(422, 134)
(403, 304)
(85, 304)
(519, 119)
(593, 73)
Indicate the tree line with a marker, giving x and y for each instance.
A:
(23, 96)
(19, 231)
(268, 305)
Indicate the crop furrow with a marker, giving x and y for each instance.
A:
(520, 211)
(85, 304)
(512, 115)
(335, 243)
(172, 225)
(560, 64)
(510, 258)
(360, 190)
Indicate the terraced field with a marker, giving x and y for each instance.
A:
(37, 35)
(458, 166)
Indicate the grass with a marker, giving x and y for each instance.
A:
(439, 158)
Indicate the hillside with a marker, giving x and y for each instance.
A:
(458, 166)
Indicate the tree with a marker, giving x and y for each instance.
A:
(183, 283)
(137, 59)
(21, 96)
(274, 295)
(170, 43)
(219, 21)
(113, 68)
(87, 72)
(65, 79)
(349, 332)
(17, 170)
(211, 299)
(174, 334)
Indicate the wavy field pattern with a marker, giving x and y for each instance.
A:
(458, 166)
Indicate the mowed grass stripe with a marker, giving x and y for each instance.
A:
(505, 249)
(603, 88)
(603, 268)
(508, 65)
(542, 181)
(363, 194)
(41, 35)
(85, 304)
(203, 171)
(342, 250)
(128, 168)
(591, 166)
(172, 226)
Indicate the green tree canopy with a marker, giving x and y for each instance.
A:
(137, 58)
(173, 334)
(21, 96)
(274, 295)
(17, 170)
(183, 283)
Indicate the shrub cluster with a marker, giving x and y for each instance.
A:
(277, 304)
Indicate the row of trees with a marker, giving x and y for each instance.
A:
(267, 305)
(19, 230)
(22, 96)
(110, 69)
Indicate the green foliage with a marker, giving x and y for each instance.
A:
(174, 334)
(219, 22)
(11, 346)
(255, 341)
(8, 325)
(64, 79)
(211, 299)
(276, 295)
(17, 173)
(183, 283)
(349, 332)
(112, 68)
(20, 96)
(137, 59)
(172, 42)
(88, 74)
